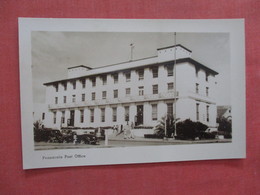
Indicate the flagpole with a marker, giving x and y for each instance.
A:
(174, 86)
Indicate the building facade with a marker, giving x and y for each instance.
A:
(139, 91)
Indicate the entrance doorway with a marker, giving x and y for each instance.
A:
(72, 116)
(140, 113)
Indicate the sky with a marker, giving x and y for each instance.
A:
(54, 52)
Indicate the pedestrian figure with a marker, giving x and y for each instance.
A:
(121, 128)
(126, 131)
(114, 129)
(117, 128)
(131, 136)
(74, 138)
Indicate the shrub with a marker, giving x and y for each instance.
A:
(190, 130)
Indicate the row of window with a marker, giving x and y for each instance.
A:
(115, 77)
(115, 93)
(127, 93)
(114, 114)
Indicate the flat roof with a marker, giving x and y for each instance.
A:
(125, 66)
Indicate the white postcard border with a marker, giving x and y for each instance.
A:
(145, 154)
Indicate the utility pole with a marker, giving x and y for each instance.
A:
(174, 86)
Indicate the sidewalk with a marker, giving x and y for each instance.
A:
(169, 140)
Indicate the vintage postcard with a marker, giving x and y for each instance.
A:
(120, 91)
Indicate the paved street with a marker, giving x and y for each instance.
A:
(122, 143)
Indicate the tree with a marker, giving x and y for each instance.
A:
(160, 127)
(225, 126)
(37, 125)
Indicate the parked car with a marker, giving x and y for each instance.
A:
(48, 136)
(67, 136)
(87, 139)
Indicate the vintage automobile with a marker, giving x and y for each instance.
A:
(67, 136)
(48, 135)
(87, 139)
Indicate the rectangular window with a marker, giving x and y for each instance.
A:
(141, 90)
(197, 88)
(207, 77)
(54, 117)
(74, 84)
(141, 74)
(93, 96)
(115, 76)
(170, 109)
(65, 86)
(83, 97)
(104, 94)
(114, 114)
(154, 112)
(83, 81)
(92, 115)
(64, 99)
(155, 89)
(207, 113)
(104, 79)
(73, 98)
(93, 80)
(56, 100)
(103, 115)
(127, 92)
(128, 76)
(115, 93)
(126, 113)
(197, 112)
(207, 91)
(63, 117)
(81, 116)
(155, 72)
(170, 86)
(43, 116)
(170, 70)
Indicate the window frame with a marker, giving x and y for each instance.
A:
(103, 114)
(128, 92)
(155, 89)
(114, 114)
(128, 78)
(154, 112)
(127, 112)
(104, 95)
(155, 72)
(92, 115)
(141, 90)
(93, 96)
(115, 93)
(83, 97)
(170, 70)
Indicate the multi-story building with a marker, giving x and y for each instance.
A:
(140, 91)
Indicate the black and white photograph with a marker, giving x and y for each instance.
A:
(121, 91)
(127, 89)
